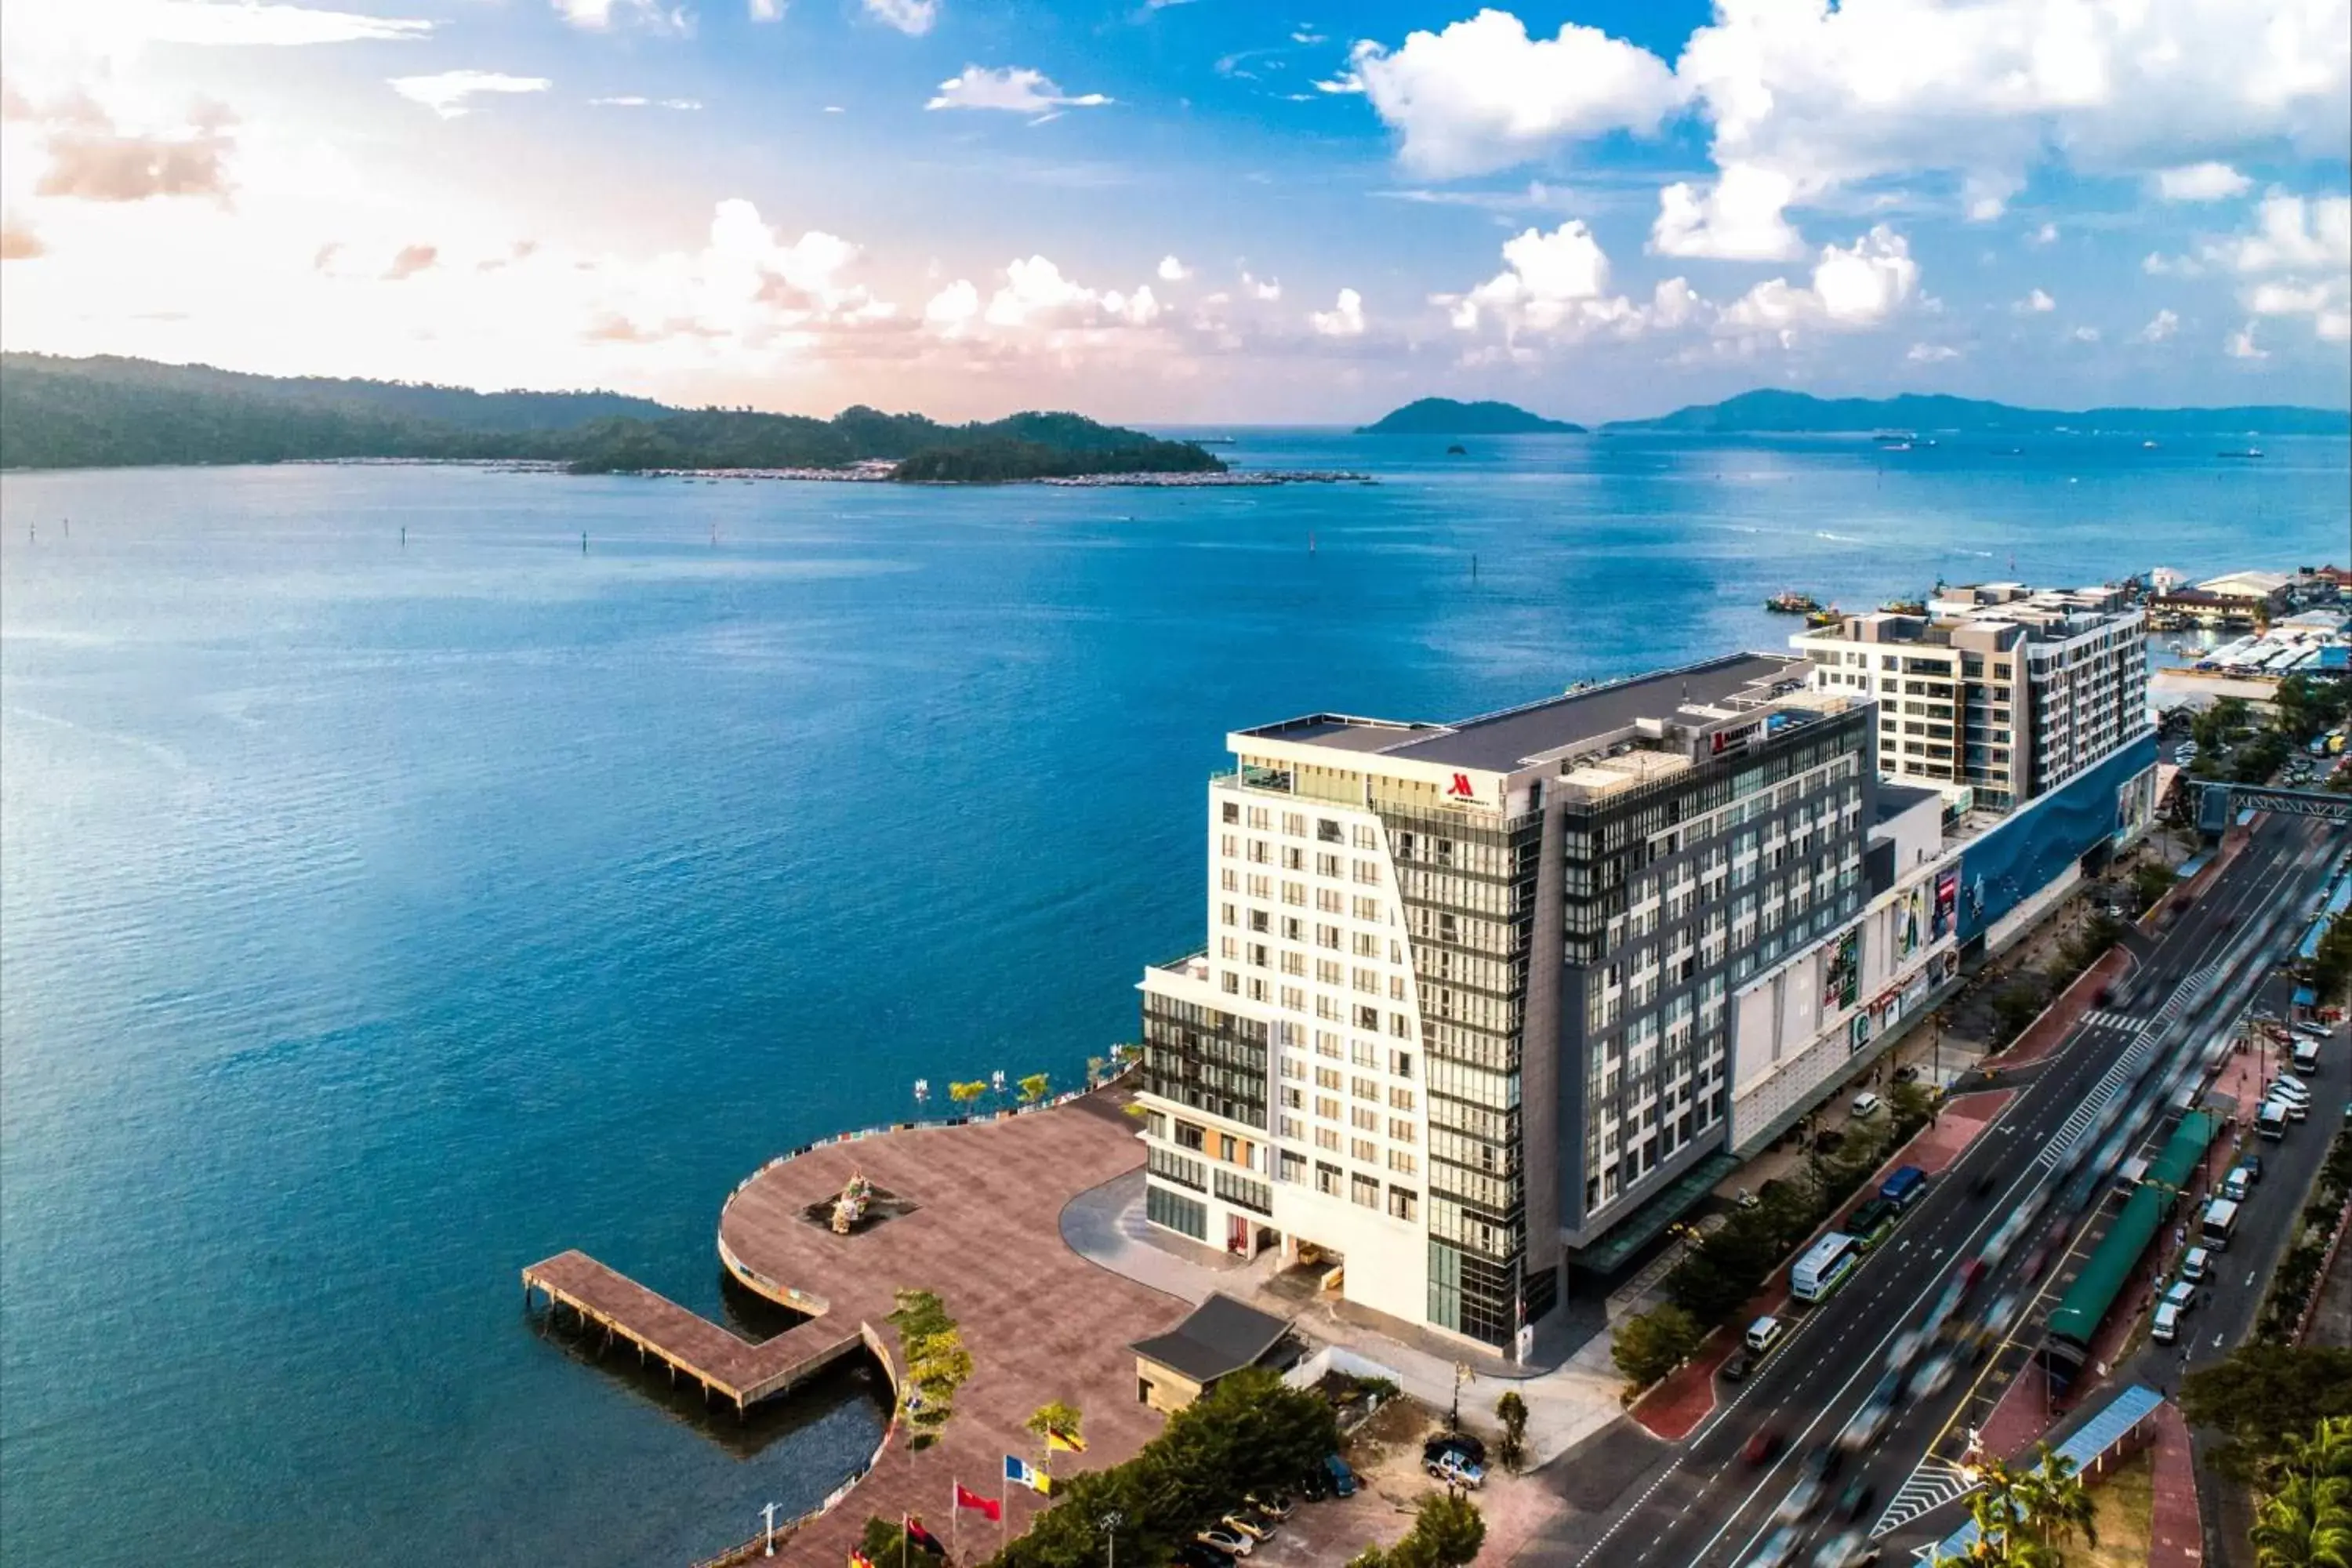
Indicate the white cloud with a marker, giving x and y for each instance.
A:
(2240, 344)
(634, 100)
(1039, 302)
(767, 10)
(201, 22)
(1740, 218)
(1173, 270)
(1853, 286)
(2037, 303)
(954, 308)
(2160, 327)
(2296, 261)
(2047, 235)
(1345, 318)
(447, 93)
(747, 286)
(1482, 95)
(597, 15)
(2085, 334)
(2207, 181)
(1931, 353)
(1556, 286)
(1016, 90)
(912, 17)
(1266, 293)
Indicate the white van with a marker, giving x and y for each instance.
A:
(2315, 1031)
(2307, 1056)
(2237, 1186)
(2166, 1327)
(2271, 1120)
(1764, 1333)
(2195, 1263)
(1865, 1104)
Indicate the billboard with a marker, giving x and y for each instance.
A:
(1842, 971)
(1947, 903)
(2037, 843)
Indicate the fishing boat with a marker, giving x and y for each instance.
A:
(1792, 603)
(2248, 453)
(1829, 617)
(1904, 607)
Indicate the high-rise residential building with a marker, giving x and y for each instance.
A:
(1463, 1004)
(1999, 688)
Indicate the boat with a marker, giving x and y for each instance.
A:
(2250, 452)
(2147, 445)
(1904, 607)
(1828, 617)
(1902, 438)
(1792, 603)
(1457, 451)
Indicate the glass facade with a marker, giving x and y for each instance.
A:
(1206, 1059)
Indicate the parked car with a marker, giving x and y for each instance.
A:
(1737, 1369)
(2195, 1263)
(1274, 1505)
(1343, 1479)
(1455, 1471)
(2181, 1293)
(1232, 1542)
(2252, 1165)
(1466, 1443)
(1247, 1523)
(2166, 1327)
(1865, 1104)
(2237, 1186)
(1764, 1333)
(1199, 1554)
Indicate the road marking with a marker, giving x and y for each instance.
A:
(1935, 1483)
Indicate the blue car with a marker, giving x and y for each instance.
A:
(1343, 1479)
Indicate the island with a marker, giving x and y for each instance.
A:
(109, 412)
(1444, 417)
(1770, 411)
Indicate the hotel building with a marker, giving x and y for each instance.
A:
(1466, 1001)
(1998, 689)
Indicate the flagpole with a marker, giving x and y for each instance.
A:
(903, 1517)
(955, 1518)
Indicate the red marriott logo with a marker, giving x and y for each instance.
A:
(1460, 788)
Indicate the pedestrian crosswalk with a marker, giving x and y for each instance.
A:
(2107, 1019)
(2126, 1065)
(1935, 1483)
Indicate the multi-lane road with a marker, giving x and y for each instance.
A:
(2044, 1163)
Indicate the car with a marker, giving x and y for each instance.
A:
(2316, 1031)
(2288, 1087)
(2195, 1263)
(1466, 1443)
(1778, 1549)
(1865, 1104)
(1869, 1423)
(1232, 1542)
(1855, 1500)
(1343, 1479)
(2181, 1293)
(1803, 1497)
(2166, 1326)
(1249, 1523)
(1314, 1485)
(1746, 1199)
(1764, 1333)
(1907, 1073)
(1971, 1272)
(1197, 1554)
(1933, 1377)
(2237, 1186)
(1822, 1460)
(1455, 1471)
(1274, 1505)
(2001, 1315)
(1852, 1550)
(1905, 1349)
(1737, 1369)
(2252, 1165)
(1763, 1447)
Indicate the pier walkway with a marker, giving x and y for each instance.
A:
(970, 1212)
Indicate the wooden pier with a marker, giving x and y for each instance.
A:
(722, 1361)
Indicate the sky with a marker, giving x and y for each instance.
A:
(1213, 211)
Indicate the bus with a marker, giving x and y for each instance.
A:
(1824, 1266)
(2220, 1219)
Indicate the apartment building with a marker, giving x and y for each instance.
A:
(1464, 1005)
(2001, 690)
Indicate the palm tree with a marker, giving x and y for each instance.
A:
(2305, 1525)
(2021, 1516)
(2057, 1505)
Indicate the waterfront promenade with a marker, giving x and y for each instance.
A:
(971, 1215)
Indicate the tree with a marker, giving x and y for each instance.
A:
(2015, 1006)
(1653, 1344)
(2151, 879)
(966, 1093)
(2057, 1505)
(935, 1362)
(2306, 1521)
(2263, 1397)
(2331, 964)
(1033, 1088)
(885, 1544)
(1447, 1531)
(2021, 1516)
(1512, 1412)
(1056, 1416)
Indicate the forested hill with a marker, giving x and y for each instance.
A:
(1770, 410)
(118, 413)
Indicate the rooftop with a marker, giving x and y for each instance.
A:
(1504, 740)
(1221, 1337)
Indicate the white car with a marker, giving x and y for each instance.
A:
(2166, 1327)
(2195, 1263)
(1778, 1549)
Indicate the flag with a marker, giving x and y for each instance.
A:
(1059, 1442)
(923, 1538)
(988, 1508)
(859, 1559)
(1020, 1472)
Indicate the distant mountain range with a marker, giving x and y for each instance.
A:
(1443, 416)
(106, 412)
(1770, 411)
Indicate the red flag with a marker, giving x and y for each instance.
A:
(989, 1508)
(923, 1537)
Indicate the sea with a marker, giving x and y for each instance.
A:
(409, 872)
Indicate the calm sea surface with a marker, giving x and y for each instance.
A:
(375, 919)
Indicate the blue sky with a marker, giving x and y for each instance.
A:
(1205, 211)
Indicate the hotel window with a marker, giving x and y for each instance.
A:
(1327, 1178)
(1329, 972)
(1294, 825)
(1330, 1079)
(1368, 873)
(1368, 909)
(1294, 893)
(1367, 837)
(1400, 1064)
(1401, 1025)
(1367, 980)
(1294, 963)
(1259, 853)
(1260, 887)
(1401, 1129)
(1256, 990)
(1231, 982)
(1367, 945)
(1367, 1017)
(1400, 1099)
(1259, 818)
(1327, 1138)
(1291, 1167)
(1327, 865)
(1364, 1089)
(1364, 1118)
(1233, 812)
(1226, 846)
(1365, 1191)
(1225, 915)
(1402, 1205)
(1258, 919)
(1229, 880)
(1294, 999)
(1294, 859)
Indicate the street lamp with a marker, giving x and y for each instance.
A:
(1461, 1373)
(1109, 1522)
(768, 1514)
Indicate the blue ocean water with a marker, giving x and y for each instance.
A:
(378, 917)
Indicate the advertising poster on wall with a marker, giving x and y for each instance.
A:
(1947, 903)
(1857, 1033)
(1910, 922)
(1842, 971)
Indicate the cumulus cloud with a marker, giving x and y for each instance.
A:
(1853, 286)
(448, 94)
(2160, 328)
(912, 17)
(2207, 181)
(204, 23)
(91, 160)
(18, 242)
(1482, 95)
(2037, 303)
(1173, 270)
(1345, 318)
(1556, 286)
(767, 10)
(1740, 218)
(1267, 291)
(2241, 344)
(1931, 353)
(597, 15)
(410, 261)
(748, 286)
(2296, 261)
(1015, 89)
(632, 100)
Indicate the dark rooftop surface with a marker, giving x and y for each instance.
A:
(1895, 799)
(1222, 1336)
(1501, 741)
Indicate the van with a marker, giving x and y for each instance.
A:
(2271, 1120)
(2313, 1031)
(2195, 1263)
(2286, 1086)
(2307, 1056)
(2166, 1327)
(1865, 1104)
(1903, 1186)
(2237, 1185)
(1764, 1333)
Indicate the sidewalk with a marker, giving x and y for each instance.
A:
(2177, 1532)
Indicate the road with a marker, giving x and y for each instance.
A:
(1706, 1505)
